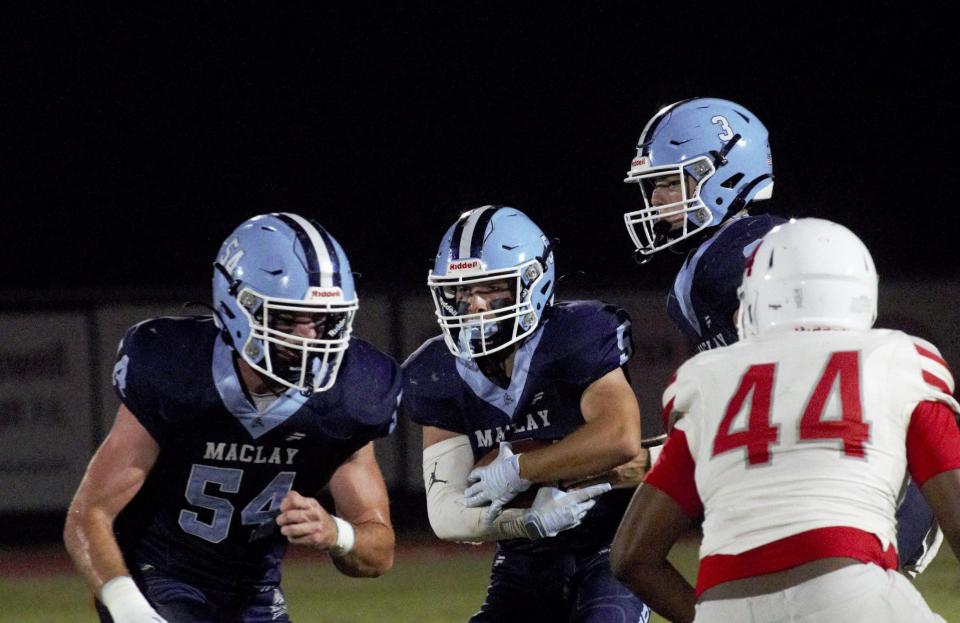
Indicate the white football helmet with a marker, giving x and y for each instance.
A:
(806, 275)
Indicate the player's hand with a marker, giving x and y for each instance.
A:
(554, 510)
(304, 522)
(497, 483)
(629, 475)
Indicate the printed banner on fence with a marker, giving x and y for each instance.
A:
(46, 409)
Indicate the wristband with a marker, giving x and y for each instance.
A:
(345, 538)
(123, 599)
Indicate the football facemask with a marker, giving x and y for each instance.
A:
(510, 316)
(298, 344)
(656, 227)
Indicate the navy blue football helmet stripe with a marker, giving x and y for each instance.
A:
(479, 231)
(457, 233)
(313, 263)
(655, 123)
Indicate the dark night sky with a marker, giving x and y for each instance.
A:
(137, 139)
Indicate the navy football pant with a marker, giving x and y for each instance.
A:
(915, 523)
(179, 602)
(575, 588)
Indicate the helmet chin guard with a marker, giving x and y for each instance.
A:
(808, 275)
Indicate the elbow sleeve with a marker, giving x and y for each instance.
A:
(445, 468)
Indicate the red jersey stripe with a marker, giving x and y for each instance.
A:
(792, 551)
(930, 355)
(936, 381)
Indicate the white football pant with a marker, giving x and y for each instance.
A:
(858, 593)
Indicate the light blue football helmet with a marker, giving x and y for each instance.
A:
(489, 245)
(276, 272)
(721, 151)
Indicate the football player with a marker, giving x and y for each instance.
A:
(513, 366)
(228, 427)
(701, 164)
(792, 445)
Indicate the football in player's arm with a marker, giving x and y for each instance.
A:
(228, 428)
(721, 152)
(792, 445)
(514, 367)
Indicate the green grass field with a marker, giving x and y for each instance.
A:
(425, 586)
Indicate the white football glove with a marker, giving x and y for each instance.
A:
(126, 603)
(554, 510)
(497, 483)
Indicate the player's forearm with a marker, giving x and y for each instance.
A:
(445, 466)
(452, 521)
(595, 447)
(88, 537)
(372, 552)
(941, 492)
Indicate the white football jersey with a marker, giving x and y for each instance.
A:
(802, 431)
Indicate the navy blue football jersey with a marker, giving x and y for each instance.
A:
(577, 343)
(704, 296)
(206, 513)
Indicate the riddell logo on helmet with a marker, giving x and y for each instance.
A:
(462, 266)
(323, 293)
(639, 162)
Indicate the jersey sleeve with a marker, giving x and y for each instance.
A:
(681, 396)
(382, 396)
(429, 389)
(933, 441)
(674, 470)
(921, 380)
(598, 340)
(138, 365)
(919, 373)
(673, 474)
(371, 390)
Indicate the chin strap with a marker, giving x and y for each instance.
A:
(740, 203)
(720, 157)
(661, 229)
